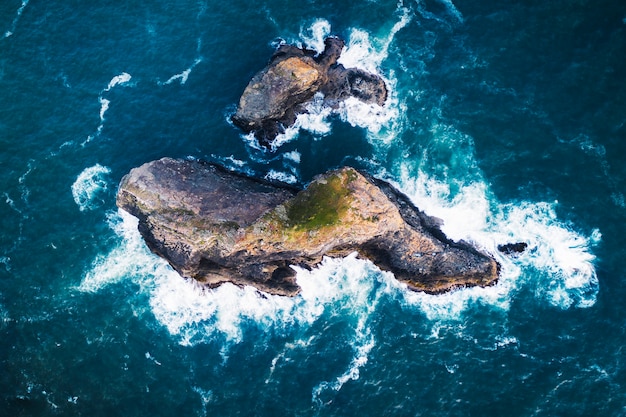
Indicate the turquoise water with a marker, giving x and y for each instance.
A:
(505, 120)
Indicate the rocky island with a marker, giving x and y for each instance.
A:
(278, 93)
(218, 226)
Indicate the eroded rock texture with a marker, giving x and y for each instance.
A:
(217, 226)
(281, 91)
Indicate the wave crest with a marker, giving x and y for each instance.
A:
(89, 186)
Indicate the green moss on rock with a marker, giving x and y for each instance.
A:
(322, 204)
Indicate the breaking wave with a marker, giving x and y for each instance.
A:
(348, 287)
(558, 261)
(89, 186)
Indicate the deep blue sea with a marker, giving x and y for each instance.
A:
(505, 119)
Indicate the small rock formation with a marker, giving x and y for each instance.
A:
(513, 248)
(217, 226)
(281, 91)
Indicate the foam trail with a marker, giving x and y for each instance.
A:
(183, 76)
(598, 152)
(11, 202)
(25, 192)
(104, 106)
(362, 286)
(121, 79)
(88, 185)
(152, 358)
(22, 218)
(4, 316)
(362, 345)
(16, 19)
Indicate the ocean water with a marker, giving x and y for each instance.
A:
(505, 119)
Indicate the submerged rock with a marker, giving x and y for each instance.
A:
(217, 226)
(279, 92)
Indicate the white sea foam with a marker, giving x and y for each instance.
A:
(122, 78)
(89, 185)
(152, 358)
(357, 296)
(381, 123)
(313, 36)
(285, 177)
(315, 121)
(232, 163)
(125, 261)
(252, 142)
(367, 53)
(352, 289)
(25, 191)
(560, 254)
(11, 203)
(364, 52)
(104, 106)
(188, 311)
(348, 287)
(558, 260)
(293, 157)
(183, 76)
(206, 396)
(4, 315)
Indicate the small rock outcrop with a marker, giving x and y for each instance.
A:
(281, 91)
(217, 226)
(513, 248)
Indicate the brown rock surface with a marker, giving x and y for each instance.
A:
(278, 93)
(217, 226)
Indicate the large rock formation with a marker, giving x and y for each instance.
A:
(217, 226)
(281, 91)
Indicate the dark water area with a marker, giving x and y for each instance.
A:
(505, 120)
